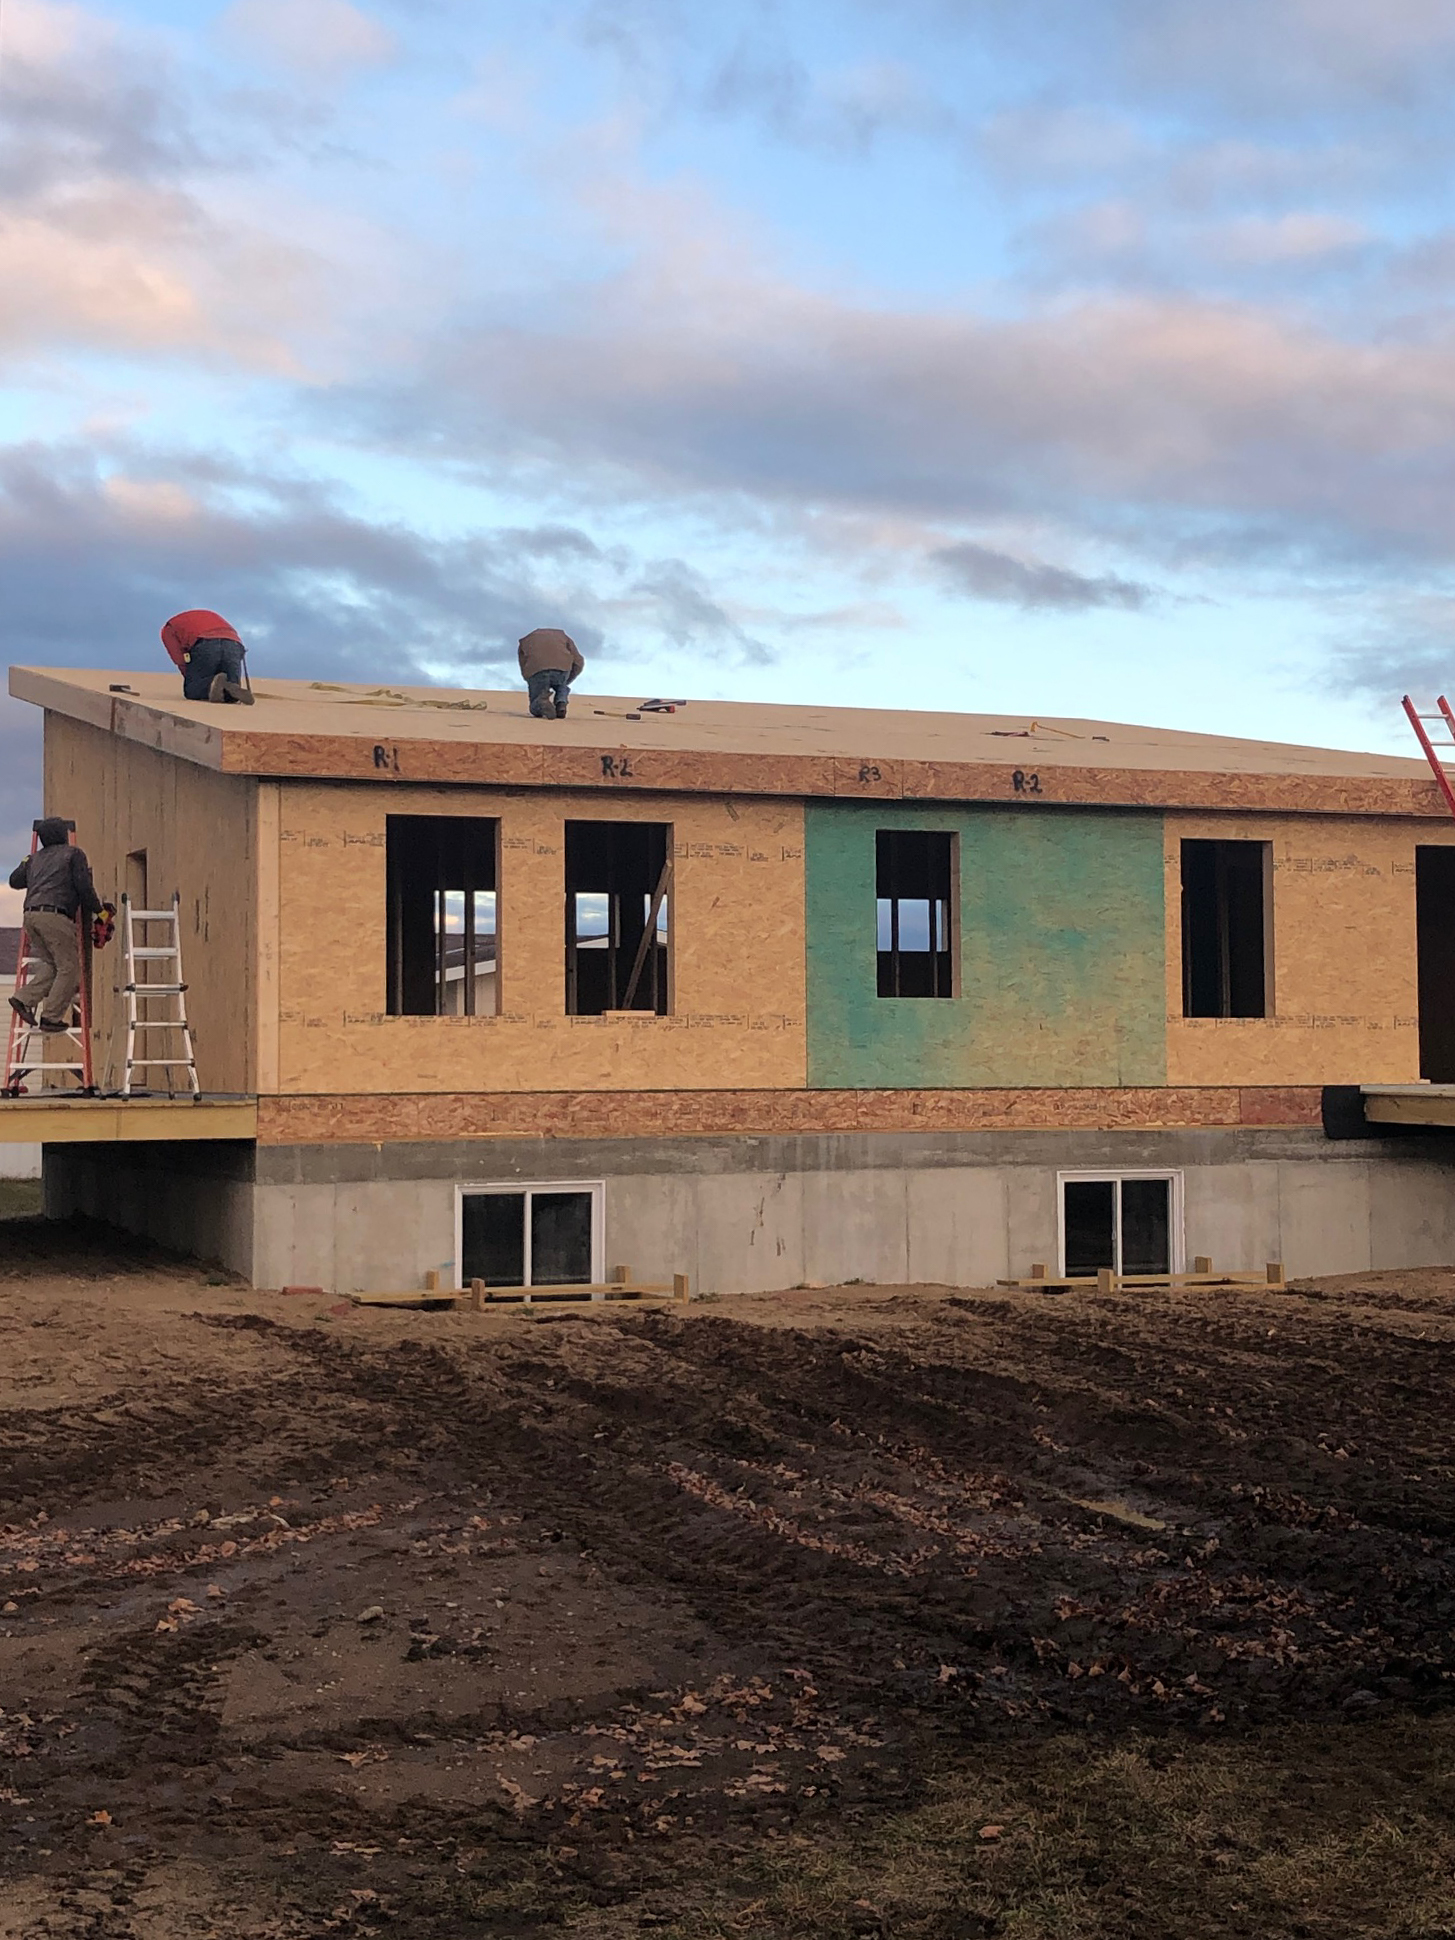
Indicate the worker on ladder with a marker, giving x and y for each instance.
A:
(56, 878)
(210, 656)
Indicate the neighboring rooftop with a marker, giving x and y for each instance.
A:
(390, 734)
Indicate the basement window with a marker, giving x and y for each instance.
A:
(1128, 1221)
(914, 873)
(442, 958)
(1226, 929)
(618, 896)
(531, 1236)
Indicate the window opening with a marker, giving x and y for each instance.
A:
(1435, 947)
(1126, 1223)
(536, 1237)
(914, 873)
(1225, 929)
(618, 899)
(442, 957)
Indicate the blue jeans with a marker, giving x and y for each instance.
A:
(207, 659)
(550, 684)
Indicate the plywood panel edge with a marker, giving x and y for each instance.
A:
(438, 1117)
(268, 822)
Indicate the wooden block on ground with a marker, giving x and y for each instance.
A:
(680, 1288)
(1201, 1263)
(1274, 1271)
(1106, 1280)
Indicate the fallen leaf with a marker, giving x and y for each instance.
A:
(991, 1831)
(101, 1818)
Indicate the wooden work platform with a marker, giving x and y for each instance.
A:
(1106, 1281)
(1421, 1104)
(477, 1297)
(52, 1118)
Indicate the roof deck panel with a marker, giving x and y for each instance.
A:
(322, 730)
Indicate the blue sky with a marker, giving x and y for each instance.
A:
(1043, 356)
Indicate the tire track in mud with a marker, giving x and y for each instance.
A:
(781, 1536)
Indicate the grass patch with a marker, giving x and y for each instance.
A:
(1304, 1835)
(19, 1198)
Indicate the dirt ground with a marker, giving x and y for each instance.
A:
(920, 1612)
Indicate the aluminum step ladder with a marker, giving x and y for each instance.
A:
(153, 937)
(1440, 747)
(29, 1051)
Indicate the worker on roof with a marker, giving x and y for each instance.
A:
(57, 882)
(208, 651)
(549, 662)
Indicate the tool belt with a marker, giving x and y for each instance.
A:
(46, 909)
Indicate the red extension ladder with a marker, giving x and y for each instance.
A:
(1436, 751)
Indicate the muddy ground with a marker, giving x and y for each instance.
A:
(925, 1613)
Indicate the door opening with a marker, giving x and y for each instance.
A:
(531, 1236)
(1130, 1223)
(1435, 945)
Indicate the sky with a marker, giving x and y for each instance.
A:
(1031, 356)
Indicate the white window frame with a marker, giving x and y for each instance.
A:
(1176, 1241)
(514, 1187)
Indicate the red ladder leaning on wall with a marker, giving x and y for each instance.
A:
(1435, 750)
(20, 1063)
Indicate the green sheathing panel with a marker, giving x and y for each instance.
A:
(1061, 960)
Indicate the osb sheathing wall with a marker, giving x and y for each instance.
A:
(736, 922)
(198, 829)
(1344, 1004)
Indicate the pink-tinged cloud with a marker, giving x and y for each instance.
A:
(321, 39)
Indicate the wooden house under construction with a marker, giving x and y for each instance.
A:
(765, 995)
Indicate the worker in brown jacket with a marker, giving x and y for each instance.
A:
(57, 882)
(549, 662)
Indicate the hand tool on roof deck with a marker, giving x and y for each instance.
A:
(1037, 727)
(177, 1051)
(661, 707)
(69, 882)
(615, 714)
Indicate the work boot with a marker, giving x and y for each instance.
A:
(217, 688)
(51, 1025)
(242, 696)
(23, 1011)
(544, 709)
(560, 710)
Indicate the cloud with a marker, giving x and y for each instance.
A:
(321, 39)
(1164, 421)
(94, 556)
(986, 574)
(688, 615)
(843, 110)
(105, 241)
(1402, 644)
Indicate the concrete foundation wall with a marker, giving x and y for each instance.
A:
(198, 1199)
(757, 1214)
(19, 1161)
